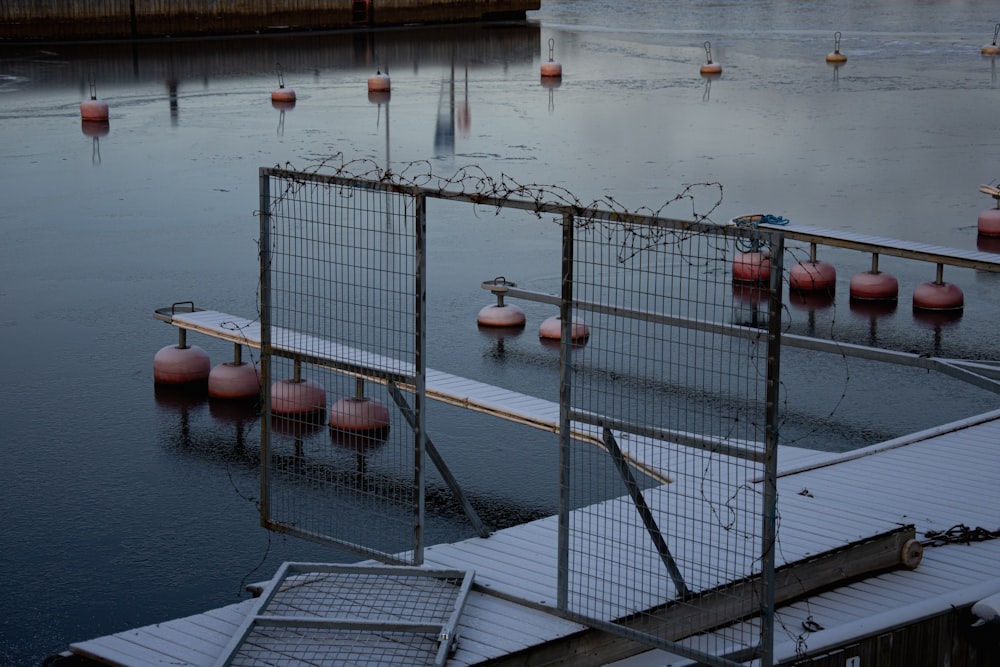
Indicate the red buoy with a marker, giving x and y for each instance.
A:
(938, 296)
(812, 276)
(94, 110)
(175, 364)
(753, 266)
(874, 286)
(500, 314)
(506, 315)
(989, 222)
(297, 397)
(234, 380)
(552, 329)
(359, 414)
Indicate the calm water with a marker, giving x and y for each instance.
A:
(124, 508)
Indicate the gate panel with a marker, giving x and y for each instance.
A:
(680, 363)
(341, 290)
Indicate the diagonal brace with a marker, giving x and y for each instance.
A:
(435, 456)
(645, 513)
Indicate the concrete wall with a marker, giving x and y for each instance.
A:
(95, 19)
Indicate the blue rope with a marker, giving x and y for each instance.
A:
(754, 244)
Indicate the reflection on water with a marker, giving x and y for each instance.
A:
(121, 495)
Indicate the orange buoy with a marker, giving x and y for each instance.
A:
(500, 314)
(993, 49)
(710, 68)
(181, 364)
(551, 329)
(836, 57)
(812, 276)
(297, 397)
(752, 266)
(359, 414)
(379, 82)
(552, 68)
(282, 96)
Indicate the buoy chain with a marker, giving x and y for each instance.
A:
(960, 534)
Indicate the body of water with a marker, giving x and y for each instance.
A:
(124, 508)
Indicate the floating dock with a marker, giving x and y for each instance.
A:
(844, 519)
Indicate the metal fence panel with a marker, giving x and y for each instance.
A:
(679, 361)
(341, 291)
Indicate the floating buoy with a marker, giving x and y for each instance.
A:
(379, 82)
(993, 49)
(282, 96)
(551, 329)
(359, 414)
(752, 266)
(874, 285)
(500, 314)
(93, 109)
(710, 68)
(938, 295)
(812, 276)
(297, 397)
(234, 379)
(836, 57)
(551, 69)
(181, 364)
(989, 220)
